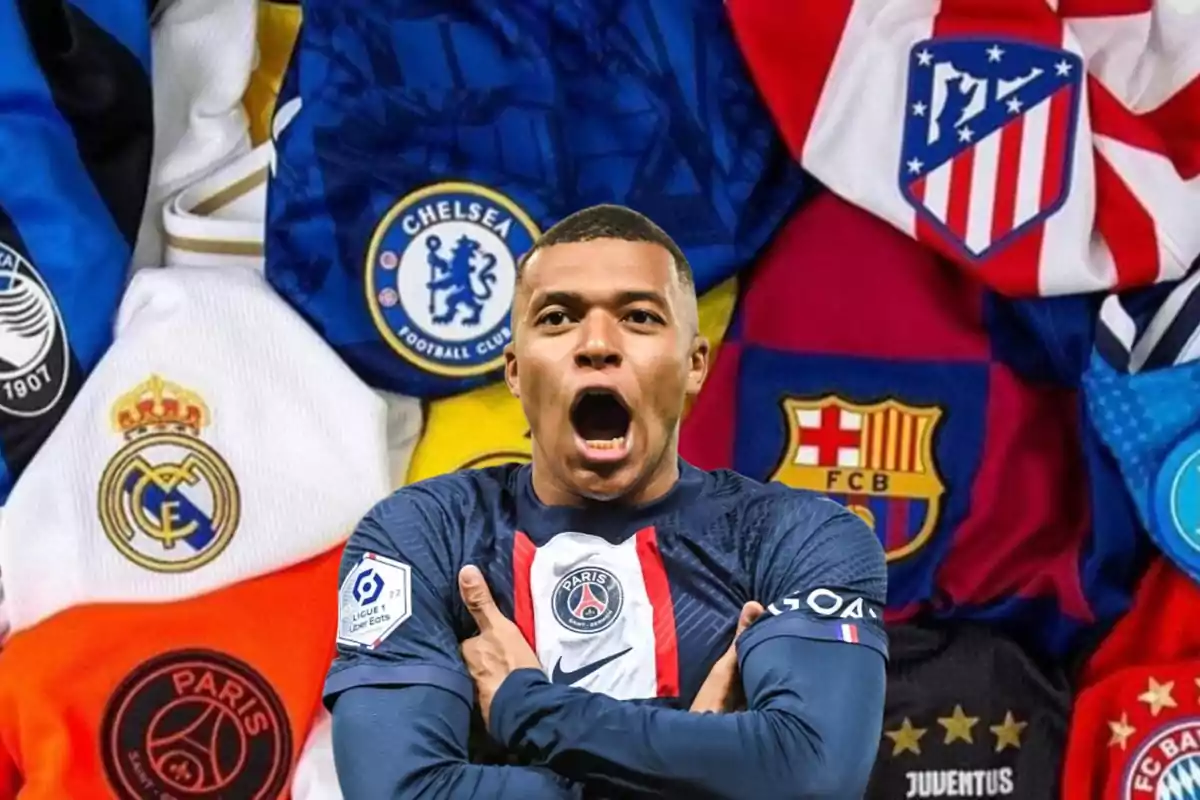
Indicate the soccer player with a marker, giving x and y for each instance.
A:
(585, 603)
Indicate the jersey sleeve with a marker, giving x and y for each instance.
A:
(821, 573)
(396, 595)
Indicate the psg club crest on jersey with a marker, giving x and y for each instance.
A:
(195, 723)
(34, 357)
(167, 500)
(440, 274)
(1175, 514)
(989, 133)
(877, 460)
(588, 600)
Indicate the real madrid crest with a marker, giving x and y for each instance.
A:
(876, 459)
(34, 357)
(167, 500)
(440, 274)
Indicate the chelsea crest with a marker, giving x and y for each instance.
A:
(440, 273)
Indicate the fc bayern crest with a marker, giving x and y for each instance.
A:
(1166, 765)
(440, 274)
(167, 499)
(34, 358)
(588, 600)
(989, 135)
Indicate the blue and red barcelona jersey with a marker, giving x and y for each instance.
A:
(422, 148)
(949, 418)
(636, 603)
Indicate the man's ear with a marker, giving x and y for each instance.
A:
(697, 365)
(510, 370)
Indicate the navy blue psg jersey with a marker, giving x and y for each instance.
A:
(636, 603)
(423, 147)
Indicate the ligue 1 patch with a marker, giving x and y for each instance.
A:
(167, 500)
(440, 275)
(1175, 520)
(588, 600)
(875, 459)
(374, 599)
(34, 356)
(989, 137)
(196, 724)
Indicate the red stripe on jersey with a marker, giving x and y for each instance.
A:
(1103, 8)
(896, 534)
(523, 552)
(1127, 228)
(1008, 168)
(1014, 268)
(1056, 145)
(666, 646)
(771, 45)
(1111, 118)
(959, 205)
(1178, 121)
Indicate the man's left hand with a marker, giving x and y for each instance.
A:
(499, 648)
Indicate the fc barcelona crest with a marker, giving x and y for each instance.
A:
(989, 137)
(876, 459)
(167, 499)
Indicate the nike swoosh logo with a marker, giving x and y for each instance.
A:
(561, 676)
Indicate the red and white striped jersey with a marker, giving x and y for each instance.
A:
(1046, 147)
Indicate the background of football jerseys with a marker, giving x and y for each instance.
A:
(257, 260)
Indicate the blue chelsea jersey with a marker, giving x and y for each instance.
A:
(637, 603)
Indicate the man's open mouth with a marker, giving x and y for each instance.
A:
(601, 421)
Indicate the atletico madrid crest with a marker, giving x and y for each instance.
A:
(877, 460)
(989, 136)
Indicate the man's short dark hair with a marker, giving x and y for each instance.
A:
(610, 222)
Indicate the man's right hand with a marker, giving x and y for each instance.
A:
(722, 689)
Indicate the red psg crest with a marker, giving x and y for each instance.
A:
(588, 600)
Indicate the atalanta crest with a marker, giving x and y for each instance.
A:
(167, 499)
(34, 357)
(588, 600)
(875, 459)
(440, 275)
(199, 724)
(989, 136)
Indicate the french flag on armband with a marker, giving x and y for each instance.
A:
(848, 633)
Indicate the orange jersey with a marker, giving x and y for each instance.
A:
(209, 697)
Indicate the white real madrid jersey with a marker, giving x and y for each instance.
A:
(203, 54)
(217, 220)
(220, 438)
